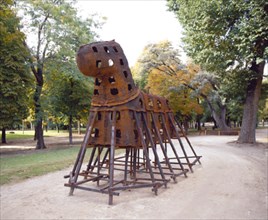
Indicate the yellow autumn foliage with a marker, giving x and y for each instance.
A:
(160, 83)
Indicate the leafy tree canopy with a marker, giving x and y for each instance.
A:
(15, 81)
(229, 36)
(159, 69)
(220, 33)
(159, 56)
(54, 33)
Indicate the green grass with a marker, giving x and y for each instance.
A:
(19, 167)
(19, 134)
(15, 136)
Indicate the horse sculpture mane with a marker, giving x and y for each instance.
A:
(123, 117)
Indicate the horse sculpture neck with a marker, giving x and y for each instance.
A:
(107, 62)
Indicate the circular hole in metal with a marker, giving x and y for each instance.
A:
(95, 49)
(99, 116)
(114, 91)
(129, 87)
(117, 116)
(115, 49)
(95, 132)
(125, 74)
(150, 103)
(98, 63)
(110, 62)
(118, 133)
(111, 80)
(159, 105)
(96, 92)
(141, 103)
(97, 82)
(106, 49)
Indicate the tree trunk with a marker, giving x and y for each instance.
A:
(58, 127)
(37, 65)
(185, 125)
(249, 120)
(4, 141)
(78, 127)
(70, 130)
(40, 144)
(23, 127)
(220, 118)
(198, 122)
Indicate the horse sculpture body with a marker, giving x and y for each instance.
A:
(123, 117)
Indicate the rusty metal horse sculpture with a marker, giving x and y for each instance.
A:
(140, 126)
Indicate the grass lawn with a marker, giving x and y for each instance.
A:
(15, 168)
(19, 134)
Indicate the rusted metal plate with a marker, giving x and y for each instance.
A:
(113, 80)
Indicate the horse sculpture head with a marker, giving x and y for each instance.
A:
(106, 62)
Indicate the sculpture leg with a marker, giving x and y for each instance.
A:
(145, 150)
(158, 135)
(197, 157)
(111, 157)
(80, 157)
(181, 144)
(173, 147)
(157, 161)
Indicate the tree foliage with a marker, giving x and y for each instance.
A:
(159, 56)
(15, 81)
(54, 31)
(159, 70)
(181, 100)
(226, 38)
(185, 86)
(69, 95)
(218, 33)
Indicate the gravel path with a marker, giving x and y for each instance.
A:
(231, 183)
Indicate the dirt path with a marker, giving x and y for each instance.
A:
(231, 183)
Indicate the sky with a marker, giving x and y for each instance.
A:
(134, 23)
